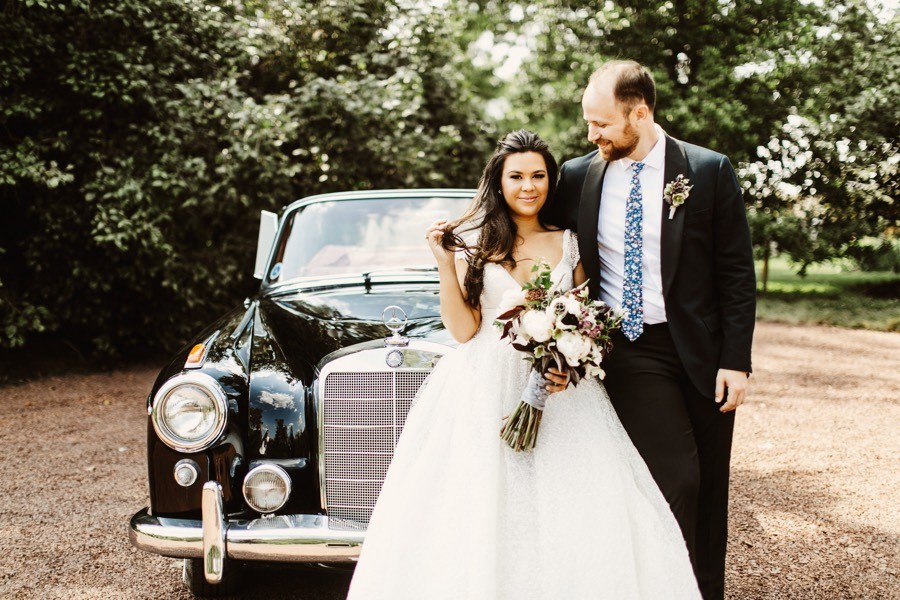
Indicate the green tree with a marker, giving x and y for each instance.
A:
(86, 91)
(140, 139)
(709, 60)
(826, 182)
(731, 76)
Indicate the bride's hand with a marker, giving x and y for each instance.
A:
(434, 235)
(559, 380)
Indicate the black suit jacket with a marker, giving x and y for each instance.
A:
(708, 280)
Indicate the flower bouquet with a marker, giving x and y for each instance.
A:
(566, 330)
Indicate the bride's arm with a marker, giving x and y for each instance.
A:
(578, 274)
(460, 319)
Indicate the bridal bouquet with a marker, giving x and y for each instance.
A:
(566, 330)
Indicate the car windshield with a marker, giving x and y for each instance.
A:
(347, 237)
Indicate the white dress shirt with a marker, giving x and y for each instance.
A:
(611, 229)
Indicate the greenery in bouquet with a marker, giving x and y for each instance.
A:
(567, 330)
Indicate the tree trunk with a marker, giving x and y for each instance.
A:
(764, 275)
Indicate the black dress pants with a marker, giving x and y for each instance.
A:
(683, 438)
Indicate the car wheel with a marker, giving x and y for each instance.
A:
(196, 583)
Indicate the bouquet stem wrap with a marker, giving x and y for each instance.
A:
(535, 393)
(521, 428)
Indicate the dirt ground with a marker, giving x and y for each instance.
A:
(814, 497)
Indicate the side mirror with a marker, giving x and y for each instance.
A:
(268, 227)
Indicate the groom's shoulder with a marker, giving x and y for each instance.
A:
(699, 154)
(579, 165)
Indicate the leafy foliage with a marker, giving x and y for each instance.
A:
(825, 184)
(800, 94)
(140, 139)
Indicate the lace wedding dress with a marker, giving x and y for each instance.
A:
(462, 516)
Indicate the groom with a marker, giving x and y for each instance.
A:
(683, 274)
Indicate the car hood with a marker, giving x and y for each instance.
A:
(306, 326)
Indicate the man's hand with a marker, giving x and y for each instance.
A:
(735, 382)
(558, 380)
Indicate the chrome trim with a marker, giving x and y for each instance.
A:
(325, 282)
(376, 194)
(213, 532)
(395, 324)
(369, 356)
(320, 436)
(176, 538)
(265, 240)
(418, 357)
(285, 538)
(394, 359)
(245, 320)
(216, 393)
(192, 466)
(280, 473)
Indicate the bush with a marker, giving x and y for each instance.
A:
(141, 138)
(879, 256)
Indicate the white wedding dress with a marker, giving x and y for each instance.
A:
(462, 516)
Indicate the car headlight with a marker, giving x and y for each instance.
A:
(266, 488)
(189, 412)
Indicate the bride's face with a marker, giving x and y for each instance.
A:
(525, 183)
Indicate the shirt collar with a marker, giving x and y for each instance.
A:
(656, 158)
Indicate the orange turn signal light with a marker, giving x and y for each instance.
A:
(196, 356)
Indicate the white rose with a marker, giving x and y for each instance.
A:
(537, 325)
(573, 306)
(512, 299)
(574, 347)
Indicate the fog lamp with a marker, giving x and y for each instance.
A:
(267, 488)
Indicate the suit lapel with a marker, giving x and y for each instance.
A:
(672, 229)
(588, 213)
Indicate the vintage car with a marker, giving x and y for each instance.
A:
(269, 436)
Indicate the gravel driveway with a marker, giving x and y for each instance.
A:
(814, 502)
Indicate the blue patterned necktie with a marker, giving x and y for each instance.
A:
(633, 286)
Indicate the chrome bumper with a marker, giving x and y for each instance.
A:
(285, 538)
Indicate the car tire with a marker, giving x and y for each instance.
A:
(196, 583)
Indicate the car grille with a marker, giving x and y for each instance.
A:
(364, 414)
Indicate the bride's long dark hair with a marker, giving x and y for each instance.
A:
(489, 213)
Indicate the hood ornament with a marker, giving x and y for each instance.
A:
(394, 318)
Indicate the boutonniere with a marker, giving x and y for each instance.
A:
(676, 192)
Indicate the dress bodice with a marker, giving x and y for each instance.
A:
(498, 281)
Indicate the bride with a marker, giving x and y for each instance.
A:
(462, 516)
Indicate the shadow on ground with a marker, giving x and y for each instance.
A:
(772, 514)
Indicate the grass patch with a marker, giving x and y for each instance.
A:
(830, 295)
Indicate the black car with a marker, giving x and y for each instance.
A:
(269, 436)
